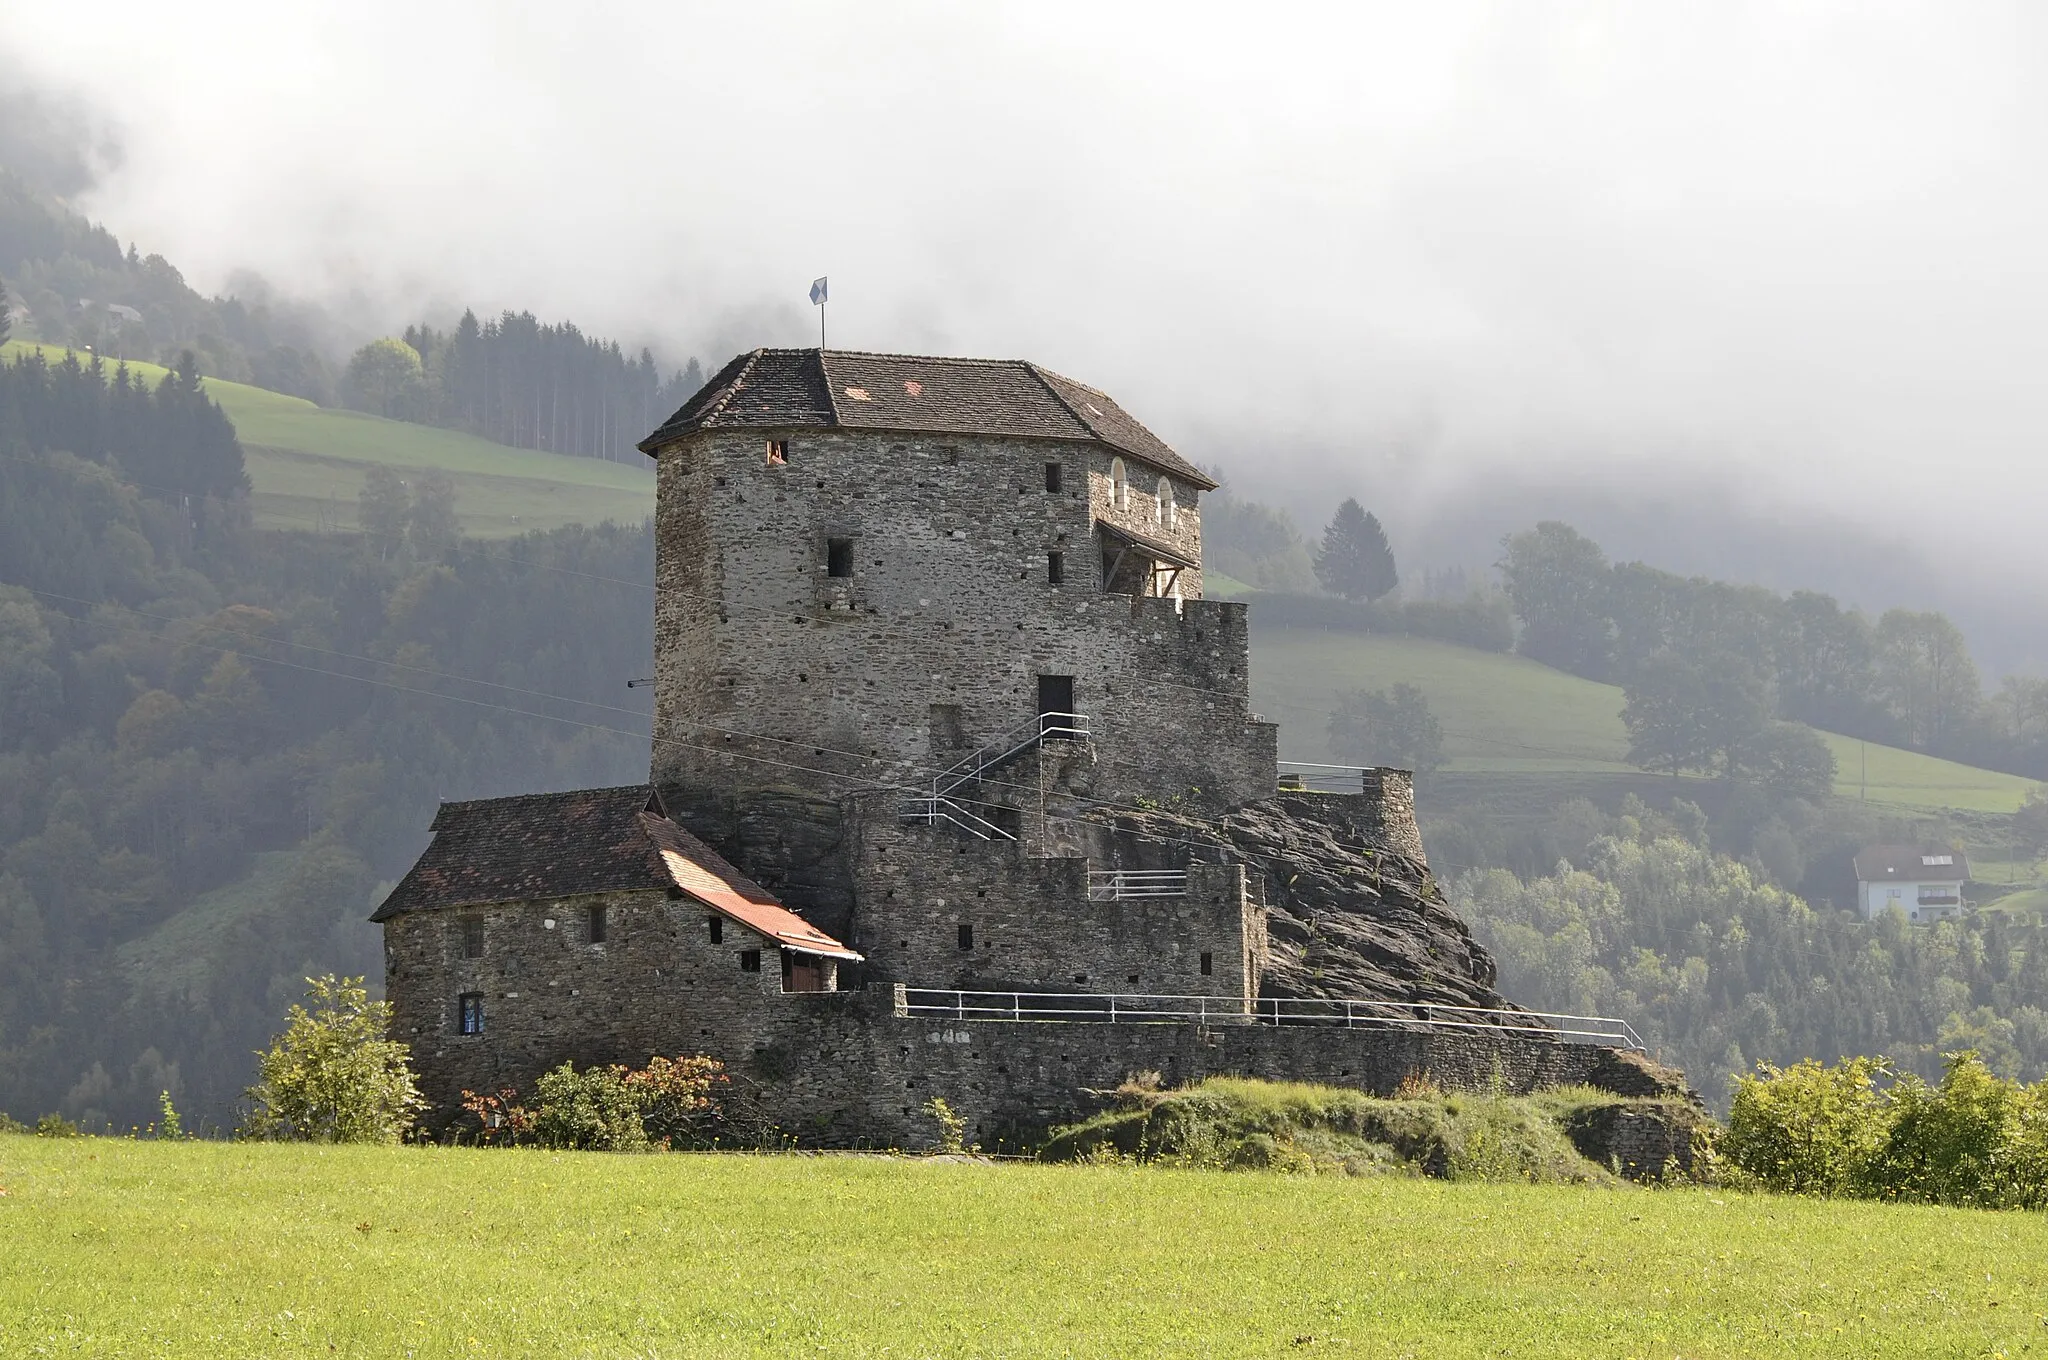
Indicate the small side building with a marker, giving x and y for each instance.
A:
(587, 927)
(1923, 881)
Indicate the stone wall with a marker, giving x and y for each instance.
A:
(846, 1068)
(1030, 923)
(768, 669)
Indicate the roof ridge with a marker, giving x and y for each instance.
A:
(739, 380)
(825, 376)
(1060, 397)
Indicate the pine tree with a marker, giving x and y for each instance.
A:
(6, 321)
(1354, 560)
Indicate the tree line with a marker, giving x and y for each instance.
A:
(518, 381)
(1708, 665)
(195, 711)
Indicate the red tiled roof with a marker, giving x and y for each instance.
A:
(543, 845)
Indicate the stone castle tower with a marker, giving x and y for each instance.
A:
(870, 565)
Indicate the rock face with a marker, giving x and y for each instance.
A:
(1351, 907)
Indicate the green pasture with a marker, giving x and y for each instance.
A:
(1508, 715)
(111, 1247)
(306, 465)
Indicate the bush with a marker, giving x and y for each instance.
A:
(1973, 1140)
(1807, 1129)
(669, 1104)
(334, 1076)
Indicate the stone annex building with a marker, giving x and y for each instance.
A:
(955, 791)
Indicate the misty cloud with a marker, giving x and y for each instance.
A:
(51, 136)
(1788, 253)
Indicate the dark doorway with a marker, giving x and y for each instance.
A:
(1055, 694)
(839, 557)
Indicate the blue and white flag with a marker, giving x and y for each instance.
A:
(817, 292)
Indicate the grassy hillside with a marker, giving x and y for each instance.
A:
(289, 1251)
(306, 464)
(1506, 714)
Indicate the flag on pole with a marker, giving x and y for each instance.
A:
(817, 292)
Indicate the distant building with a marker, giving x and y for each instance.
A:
(1924, 882)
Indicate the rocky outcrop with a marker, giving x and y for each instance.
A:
(1351, 910)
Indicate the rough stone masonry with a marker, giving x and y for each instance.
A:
(955, 791)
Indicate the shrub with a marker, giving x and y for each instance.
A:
(595, 1110)
(56, 1126)
(333, 1076)
(1807, 1129)
(670, 1103)
(1974, 1139)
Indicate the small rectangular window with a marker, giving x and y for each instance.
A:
(750, 960)
(717, 924)
(597, 925)
(1055, 568)
(1053, 476)
(472, 937)
(839, 557)
(471, 1007)
(778, 452)
(966, 936)
(1208, 963)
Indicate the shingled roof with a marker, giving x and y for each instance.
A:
(847, 389)
(542, 845)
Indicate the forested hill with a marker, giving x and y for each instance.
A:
(216, 742)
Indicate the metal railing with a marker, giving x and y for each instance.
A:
(1308, 776)
(936, 810)
(1136, 1009)
(1021, 738)
(1122, 885)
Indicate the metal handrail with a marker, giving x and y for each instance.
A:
(932, 811)
(1117, 885)
(965, 771)
(1315, 777)
(1135, 1008)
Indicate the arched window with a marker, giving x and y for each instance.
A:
(1167, 511)
(1119, 488)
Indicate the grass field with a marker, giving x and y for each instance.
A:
(1508, 715)
(110, 1247)
(306, 465)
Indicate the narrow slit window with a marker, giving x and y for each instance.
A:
(1208, 963)
(839, 557)
(1055, 475)
(470, 1006)
(778, 452)
(472, 937)
(750, 960)
(966, 936)
(1056, 568)
(597, 925)
(1119, 485)
(717, 925)
(1169, 511)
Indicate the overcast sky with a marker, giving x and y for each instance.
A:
(1798, 246)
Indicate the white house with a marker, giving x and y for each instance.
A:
(1924, 882)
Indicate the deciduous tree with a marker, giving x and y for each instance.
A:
(335, 1075)
(1558, 581)
(1388, 727)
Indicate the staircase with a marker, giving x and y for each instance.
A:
(941, 805)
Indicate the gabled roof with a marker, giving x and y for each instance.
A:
(543, 845)
(1912, 863)
(848, 389)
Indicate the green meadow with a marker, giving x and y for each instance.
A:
(306, 465)
(1508, 715)
(113, 1247)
